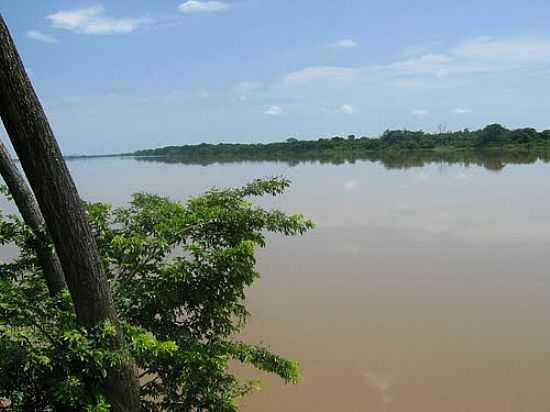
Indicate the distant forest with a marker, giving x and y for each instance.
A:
(490, 138)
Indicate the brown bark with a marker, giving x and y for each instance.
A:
(56, 194)
(24, 199)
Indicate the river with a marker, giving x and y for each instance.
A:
(424, 288)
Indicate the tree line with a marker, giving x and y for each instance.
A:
(492, 137)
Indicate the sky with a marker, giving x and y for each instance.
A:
(117, 76)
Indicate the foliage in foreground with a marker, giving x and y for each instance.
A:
(178, 274)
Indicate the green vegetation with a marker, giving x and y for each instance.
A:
(178, 274)
(492, 138)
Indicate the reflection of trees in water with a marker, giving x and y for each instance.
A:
(490, 160)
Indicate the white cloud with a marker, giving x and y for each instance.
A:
(506, 50)
(478, 55)
(460, 110)
(313, 73)
(420, 113)
(415, 83)
(92, 20)
(433, 64)
(345, 44)
(43, 37)
(194, 6)
(273, 111)
(481, 55)
(346, 109)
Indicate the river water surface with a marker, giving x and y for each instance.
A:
(422, 289)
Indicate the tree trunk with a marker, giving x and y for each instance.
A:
(56, 193)
(24, 199)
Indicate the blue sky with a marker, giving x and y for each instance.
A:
(116, 76)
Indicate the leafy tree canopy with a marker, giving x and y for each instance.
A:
(178, 273)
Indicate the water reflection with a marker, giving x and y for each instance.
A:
(490, 160)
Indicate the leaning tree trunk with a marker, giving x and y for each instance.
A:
(24, 199)
(56, 193)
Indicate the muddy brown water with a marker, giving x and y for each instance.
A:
(423, 289)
